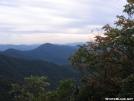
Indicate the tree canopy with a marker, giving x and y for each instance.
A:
(107, 65)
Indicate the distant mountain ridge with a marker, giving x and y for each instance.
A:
(24, 47)
(18, 47)
(54, 53)
(75, 43)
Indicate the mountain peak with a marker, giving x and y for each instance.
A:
(50, 52)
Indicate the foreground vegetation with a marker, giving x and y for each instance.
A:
(106, 66)
(33, 90)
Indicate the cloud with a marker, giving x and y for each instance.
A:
(39, 38)
(55, 17)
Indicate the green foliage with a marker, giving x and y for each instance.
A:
(107, 65)
(5, 87)
(127, 87)
(63, 93)
(31, 90)
(66, 88)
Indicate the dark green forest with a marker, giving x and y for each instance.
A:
(106, 68)
(15, 70)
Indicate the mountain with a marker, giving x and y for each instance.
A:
(24, 47)
(18, 47)
(54, 53)
(75, 43)
(14, 70)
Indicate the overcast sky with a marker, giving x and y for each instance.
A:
(55, 21)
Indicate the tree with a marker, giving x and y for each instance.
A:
(31, 90)
(65, 91)
(107, 62)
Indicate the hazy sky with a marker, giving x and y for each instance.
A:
(55, 21)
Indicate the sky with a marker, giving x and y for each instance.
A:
(55, 21)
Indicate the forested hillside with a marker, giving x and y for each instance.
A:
(14, 69)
